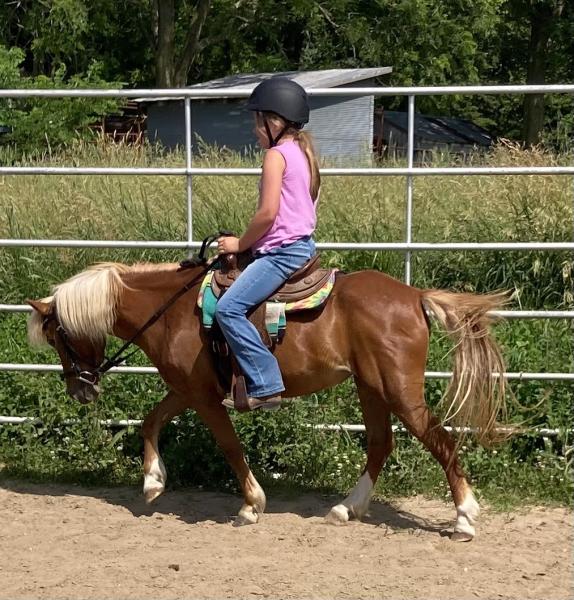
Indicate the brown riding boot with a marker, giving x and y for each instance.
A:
(266, 402)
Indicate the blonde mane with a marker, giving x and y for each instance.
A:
(86, 303)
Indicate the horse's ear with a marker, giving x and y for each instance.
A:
(42, 307)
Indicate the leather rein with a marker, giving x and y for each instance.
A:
(92, 376)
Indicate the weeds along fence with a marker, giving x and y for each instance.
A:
(408, 247)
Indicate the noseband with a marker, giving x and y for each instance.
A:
(92, 376)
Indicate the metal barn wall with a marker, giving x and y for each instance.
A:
(215, 122)
(342, 127)
(166, 123)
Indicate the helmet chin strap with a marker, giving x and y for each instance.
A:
(273, 141)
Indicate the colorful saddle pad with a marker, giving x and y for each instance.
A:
(275, 318)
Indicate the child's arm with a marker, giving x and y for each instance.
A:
(270, 196)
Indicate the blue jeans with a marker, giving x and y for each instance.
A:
(257, 282)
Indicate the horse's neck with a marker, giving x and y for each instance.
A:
(146, 292)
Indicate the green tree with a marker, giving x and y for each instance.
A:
(523, 58)
(172, 66)
(42, 123)
(75, 33)
(50, 32)
(544, 20)
(426, 42)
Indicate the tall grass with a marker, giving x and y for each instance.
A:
(351, 209)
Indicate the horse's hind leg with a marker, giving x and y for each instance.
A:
(409, 405)
(379, 445)
(154, 471)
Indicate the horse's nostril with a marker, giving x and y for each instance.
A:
(85, 396)
(79, 397)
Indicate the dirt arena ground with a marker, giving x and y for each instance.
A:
(68, 542)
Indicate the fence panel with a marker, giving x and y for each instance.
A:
(410, 173)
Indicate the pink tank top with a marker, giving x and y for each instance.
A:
(296, 217)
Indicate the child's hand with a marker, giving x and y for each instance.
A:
(227, 245)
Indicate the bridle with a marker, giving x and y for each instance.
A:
(91, 376)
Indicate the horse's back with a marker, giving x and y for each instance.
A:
(372, 290)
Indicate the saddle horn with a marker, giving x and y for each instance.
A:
(200, 258)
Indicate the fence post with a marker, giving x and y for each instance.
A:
(188, 177)
(409, 208)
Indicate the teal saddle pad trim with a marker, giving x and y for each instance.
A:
(209, 303)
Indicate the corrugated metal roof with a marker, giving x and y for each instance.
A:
(325, 78)
(467, 130)
(447, 130)
(308, 79)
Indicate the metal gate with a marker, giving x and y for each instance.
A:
(410, 173)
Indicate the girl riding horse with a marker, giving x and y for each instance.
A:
(279, 234)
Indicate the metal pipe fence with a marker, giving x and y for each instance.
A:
(410, 172)
(522, 376)
(236, 92)
(539, 431)
(329, 172)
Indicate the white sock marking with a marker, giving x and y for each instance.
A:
(156, 477)
(357, 502)
(467, 515)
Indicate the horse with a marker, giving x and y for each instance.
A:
(372, 327)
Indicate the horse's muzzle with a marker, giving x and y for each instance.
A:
(86, 394)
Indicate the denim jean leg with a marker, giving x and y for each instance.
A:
(259, 280)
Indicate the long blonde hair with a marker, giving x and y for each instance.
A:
(305, 141)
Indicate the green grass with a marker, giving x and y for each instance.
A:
(281, 448)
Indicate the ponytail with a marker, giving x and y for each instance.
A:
(306, 144)
(305, 141)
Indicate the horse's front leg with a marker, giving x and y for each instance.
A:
(215, 416)
(154, 471)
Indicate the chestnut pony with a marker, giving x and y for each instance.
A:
(372, 328)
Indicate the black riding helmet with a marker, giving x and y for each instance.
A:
(284, 98)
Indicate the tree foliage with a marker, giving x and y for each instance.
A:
(38, 124)
(426, 42)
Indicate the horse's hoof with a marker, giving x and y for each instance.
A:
(248, 515)
(338, 515)
(151, 494)
(242, 520)
(461, 536)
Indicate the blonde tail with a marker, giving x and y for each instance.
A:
(476, 395)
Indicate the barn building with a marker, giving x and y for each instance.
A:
(433, 134)
(342, 126)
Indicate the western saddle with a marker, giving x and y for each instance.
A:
(303, 283)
